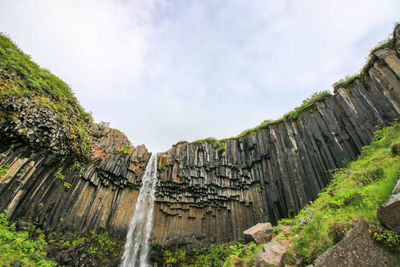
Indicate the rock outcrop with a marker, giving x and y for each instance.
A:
(43, 178)
(272, 254)
(356, 249)
(259, 233)
(210, 191)
(389, 212)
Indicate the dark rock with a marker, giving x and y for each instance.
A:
(395, 149)
(16, 264)
(389, 212)
(356, 249)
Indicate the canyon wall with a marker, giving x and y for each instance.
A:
(208, 191)
(211, 190)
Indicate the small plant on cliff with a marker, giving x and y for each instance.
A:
(77, 166)
(59, 175)
(387, 238)
(4, 170)
(67, 185)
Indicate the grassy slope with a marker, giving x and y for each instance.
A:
(355, 192)
(21, 78)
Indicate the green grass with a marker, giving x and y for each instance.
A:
(215, 144)
(346, 82)
(17, 245)
(214, 255)
(307, 104)
(355, 192)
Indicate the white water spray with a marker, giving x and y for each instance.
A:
(137, 240)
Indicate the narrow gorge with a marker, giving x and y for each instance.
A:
(68, 174)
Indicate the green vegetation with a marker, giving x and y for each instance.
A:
(59, 175)
(77, 166)
(18, 245)
(22, 78)
(123, 150)
(307, 104)
(215, 144)
(387, 238)
(346, 82)
(3, 170)
(214, 255)
(100, 248)
(356, 192)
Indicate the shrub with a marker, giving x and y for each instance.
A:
(18, 245)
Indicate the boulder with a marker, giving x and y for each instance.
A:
(356, 249)
(272, 254)
(259, 233)
(389, 212)
(284, 228)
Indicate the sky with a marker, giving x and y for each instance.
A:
(163, 71)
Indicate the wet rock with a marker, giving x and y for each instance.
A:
(389, 212)
(272, 254)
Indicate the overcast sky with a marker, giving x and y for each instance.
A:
(165, 71)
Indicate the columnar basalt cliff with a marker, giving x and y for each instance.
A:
(41, 179)
(74, 175)
(56, 165)
(212, 190)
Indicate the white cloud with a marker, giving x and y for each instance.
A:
(163, 71)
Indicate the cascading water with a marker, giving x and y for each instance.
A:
(137, 240)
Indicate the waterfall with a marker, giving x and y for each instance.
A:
(137, 239)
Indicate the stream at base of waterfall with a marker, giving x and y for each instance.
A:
(137, 240)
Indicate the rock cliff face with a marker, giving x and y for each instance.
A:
(209, 192)
(41, 177)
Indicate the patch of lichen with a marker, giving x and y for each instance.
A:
(21, 78)
(161, 162)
